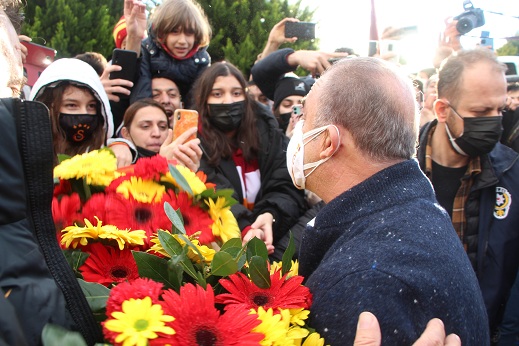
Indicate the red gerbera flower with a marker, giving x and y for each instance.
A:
(107, 265)
(136, 289)
(95, 206)
(63, 188)
(65, 211)
(195, 218)
(132, 214)
(151, 167)
(198, 322)
(282, 294)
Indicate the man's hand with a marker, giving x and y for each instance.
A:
(368, 333)
(23, 49)
(314, 61)
(112, 86)
(187, 154)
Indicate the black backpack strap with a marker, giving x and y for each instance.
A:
(35, 144)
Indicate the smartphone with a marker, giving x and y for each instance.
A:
(184, 119)
(38, 58)
(301, 30)
(127, 59)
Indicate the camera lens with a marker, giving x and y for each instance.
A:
(466, 23)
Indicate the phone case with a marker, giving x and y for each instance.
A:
(127, 59)
(301, 30)
(184, 119)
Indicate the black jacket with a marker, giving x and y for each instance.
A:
(277, 194)
(37, 284)
(493, 239)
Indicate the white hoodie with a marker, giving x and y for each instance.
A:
(80, 73)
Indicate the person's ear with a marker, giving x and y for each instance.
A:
(331, 142)
(441, 110)
(126, 134)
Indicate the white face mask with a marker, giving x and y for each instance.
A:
(296, 150)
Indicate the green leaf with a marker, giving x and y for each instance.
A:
(179, 178)
(175, 217)
(256, 247)
(53, 334)
(214, 194)
(153, 267)
(96, 294)
(234, 248)
(286, 261)
(63, 157)
(175, 273)
(75, 258)
(169, 243)
(258, 272)
(223, 264)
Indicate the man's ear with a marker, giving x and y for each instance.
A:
(126, 134)
(441, 110)
(331, 142)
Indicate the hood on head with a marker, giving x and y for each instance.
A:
(81, 74)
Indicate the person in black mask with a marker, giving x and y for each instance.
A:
(474, 176)
(244, 150)
(146, 125)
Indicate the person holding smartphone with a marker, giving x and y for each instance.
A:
(147, 126)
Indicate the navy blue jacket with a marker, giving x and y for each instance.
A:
(387, 247)
(155, 62)
(496, 259)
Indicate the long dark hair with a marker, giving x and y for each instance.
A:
(216, 143)
(52, 98)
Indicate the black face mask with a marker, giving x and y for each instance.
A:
(480, 135)
(284, 120)
(226, 117)
(79, 127)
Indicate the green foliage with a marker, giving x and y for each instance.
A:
(510, 48)
(96, 294)
(241, 28)
(53, 334)
(73, 26)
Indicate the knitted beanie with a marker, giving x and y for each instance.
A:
(120, 32)
(289, 86)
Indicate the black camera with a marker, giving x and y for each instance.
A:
(470, 19)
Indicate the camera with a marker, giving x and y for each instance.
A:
(470, 19)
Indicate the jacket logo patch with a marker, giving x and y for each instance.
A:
(503, 203)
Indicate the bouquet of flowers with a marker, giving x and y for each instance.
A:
(160, 258)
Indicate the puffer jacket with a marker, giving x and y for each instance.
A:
(155, 62)
(492, 215)
(37, 284)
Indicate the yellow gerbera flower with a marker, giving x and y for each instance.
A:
(144, 191)
(225, 225)
(122, 236)
(74, 235)
(207, 252)
(275, 327)
(96, 167)
(139, 322)
(294, 269)
(314, 339)
(298, 316)
(194, 182)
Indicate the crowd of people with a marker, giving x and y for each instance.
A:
(398, 205)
